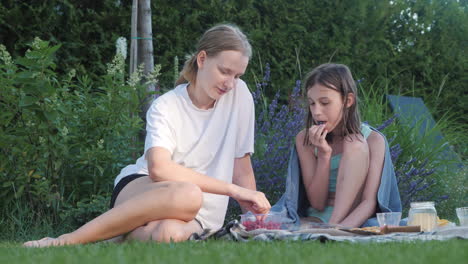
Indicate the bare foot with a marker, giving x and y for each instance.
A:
(48, 242)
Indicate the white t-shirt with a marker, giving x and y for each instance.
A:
(206, 141)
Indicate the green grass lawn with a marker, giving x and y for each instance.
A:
(452, 251)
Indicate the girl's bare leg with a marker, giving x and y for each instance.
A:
(352, 173)
(140, 202)
(160, 230)
(168, 230)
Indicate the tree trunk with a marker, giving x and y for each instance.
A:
(133, 59)
(141, 51)
(145, 49)
(133, 40)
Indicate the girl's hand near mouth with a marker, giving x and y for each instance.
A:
(317, 134)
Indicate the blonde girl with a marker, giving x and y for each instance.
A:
(197, 154)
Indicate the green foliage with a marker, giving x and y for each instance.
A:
(449, 178)
(63, 137)
(86, 29)
(85, 210)
(422, 42)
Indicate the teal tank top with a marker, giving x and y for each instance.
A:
(335, 160)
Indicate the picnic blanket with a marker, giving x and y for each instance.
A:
(234, 231)
(294, 203)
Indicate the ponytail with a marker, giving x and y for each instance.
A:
(189, 71)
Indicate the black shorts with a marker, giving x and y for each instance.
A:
(122, 183)
(126, 180)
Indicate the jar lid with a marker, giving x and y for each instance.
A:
(422, 204)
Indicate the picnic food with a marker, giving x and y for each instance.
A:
(261, 221)
(373, 229)
(423, 214)
(442, 222)
(427, 221)
(388, 229)
(260, 224)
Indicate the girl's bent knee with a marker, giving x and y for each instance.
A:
(188, 198)
(355, 147)
(168, 231)
(178, 200)
(191, 192)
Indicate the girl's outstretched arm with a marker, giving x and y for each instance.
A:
(368, 203)
(161, 168)
(244, 177)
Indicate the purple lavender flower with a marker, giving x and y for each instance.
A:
(266, 77)
(387, 123)
(276, 127)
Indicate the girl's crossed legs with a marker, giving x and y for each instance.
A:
(161, 211)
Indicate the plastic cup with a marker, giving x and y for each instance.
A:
(389, 219)
(462, 214)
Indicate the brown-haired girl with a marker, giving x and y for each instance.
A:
(197, 153)
(341, 159)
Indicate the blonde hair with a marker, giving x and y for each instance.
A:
(215, 40)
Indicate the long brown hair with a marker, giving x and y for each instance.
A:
(216, 39)
(339, 78)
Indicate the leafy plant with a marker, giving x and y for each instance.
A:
(86, 209)
(422, 43)
(63, 137)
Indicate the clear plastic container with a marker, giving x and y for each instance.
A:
(423, 214)
(270, 221)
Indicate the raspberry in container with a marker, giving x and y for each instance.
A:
(270, 221)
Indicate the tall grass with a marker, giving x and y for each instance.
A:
(447, 184)
(23, 223)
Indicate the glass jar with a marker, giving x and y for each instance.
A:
(423, 214)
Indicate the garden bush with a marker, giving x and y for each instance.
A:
(419, 46)
(63, 138)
